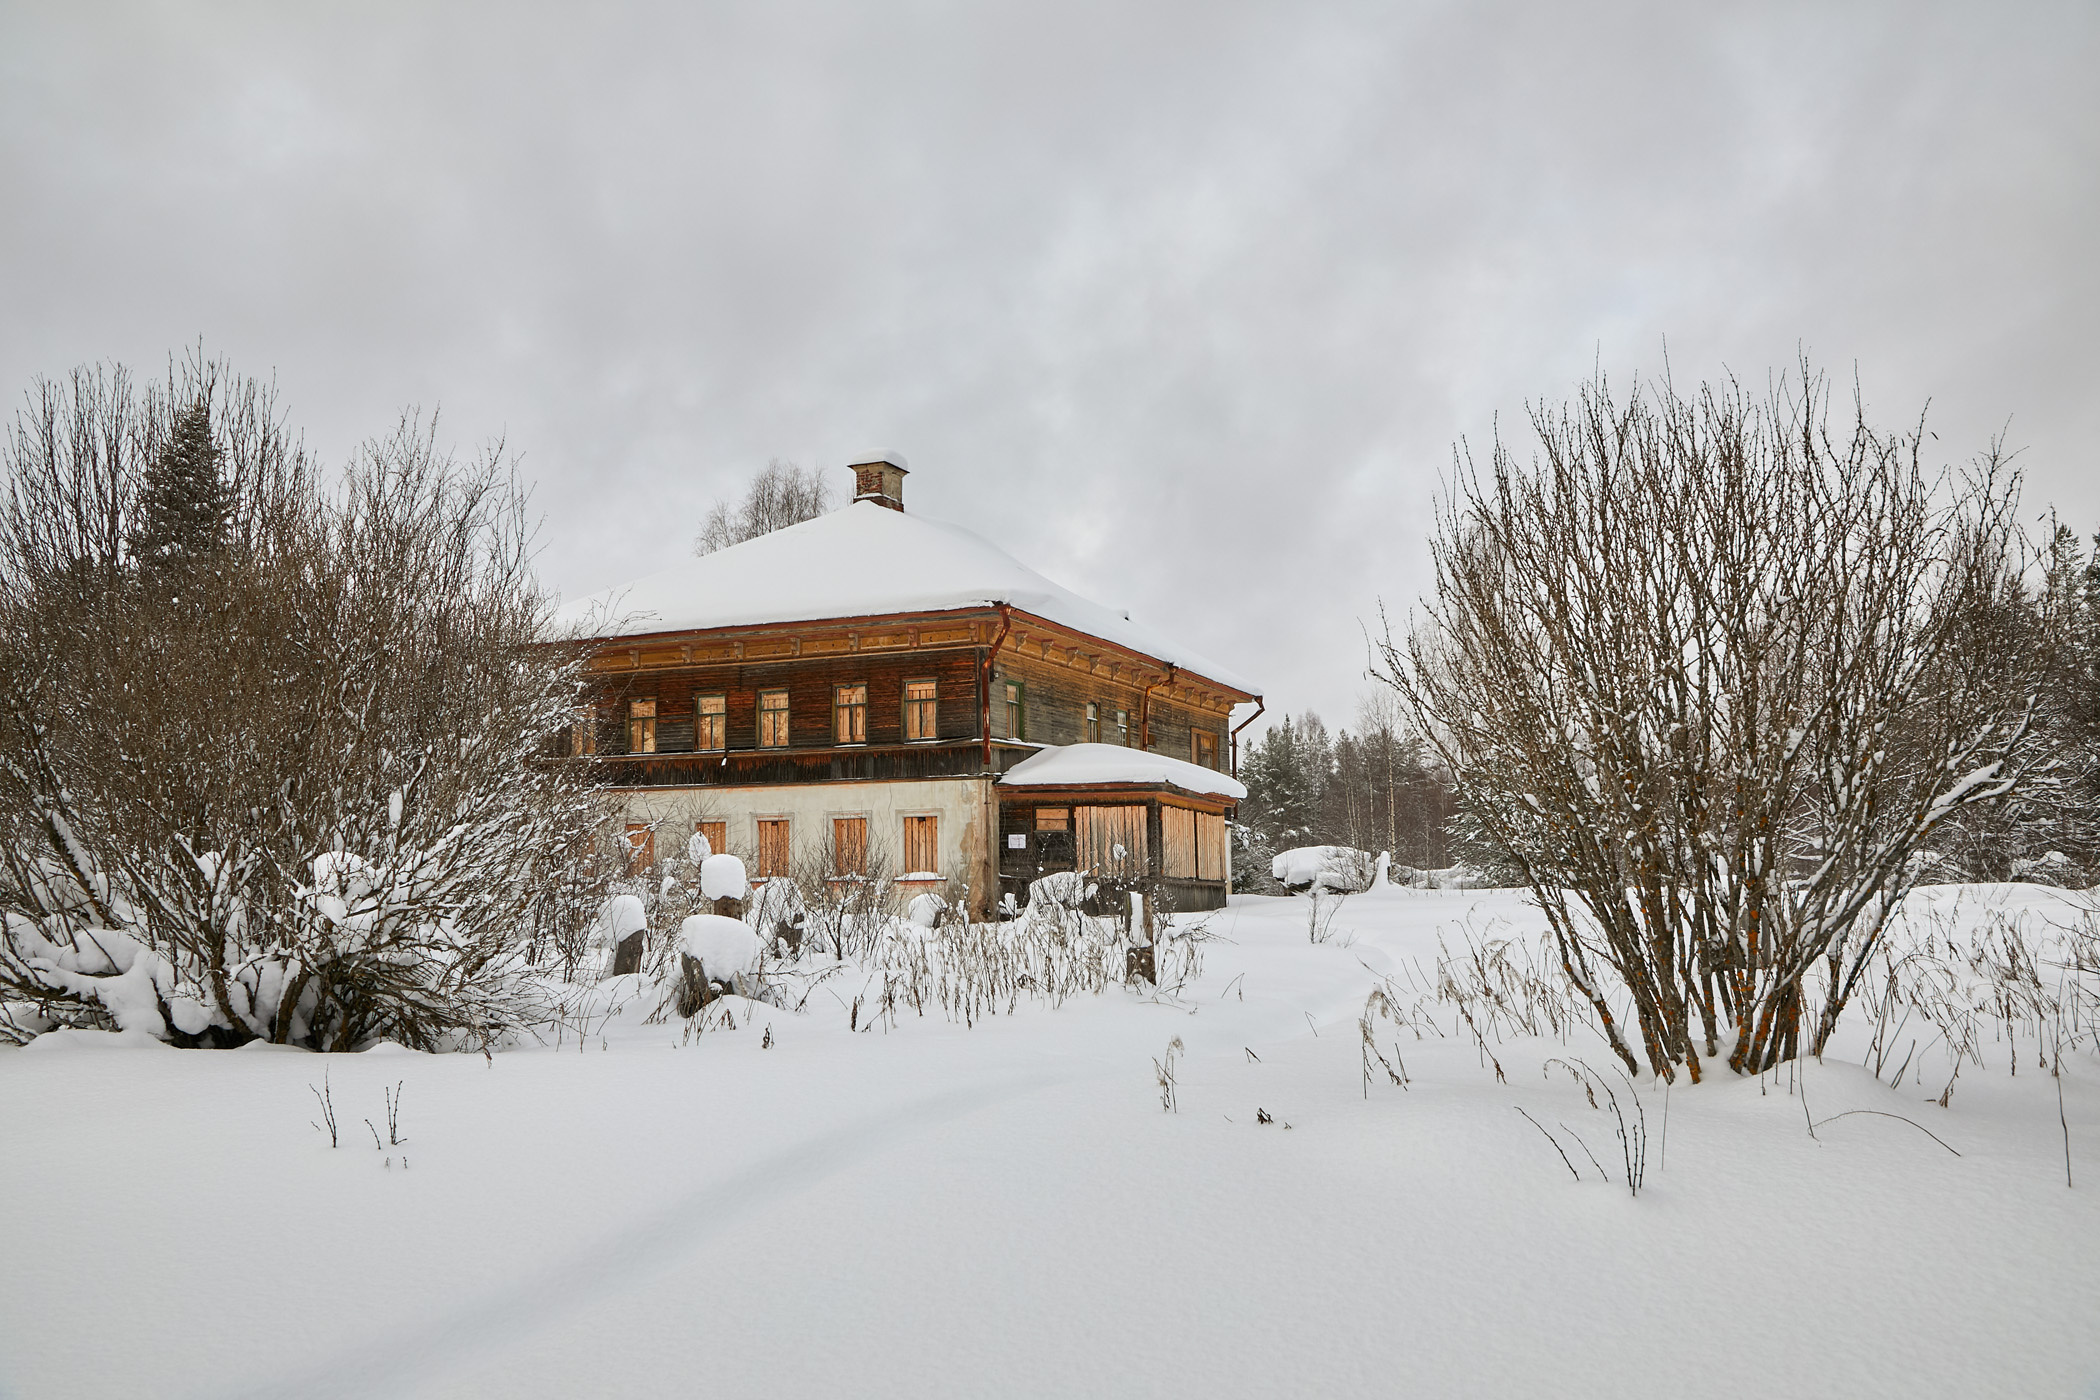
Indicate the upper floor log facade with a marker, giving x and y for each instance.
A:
(911, 696)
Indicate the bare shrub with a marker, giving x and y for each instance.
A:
(288, 782)
(1712, 676)
(849, 901)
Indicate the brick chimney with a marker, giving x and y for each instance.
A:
(881, 480)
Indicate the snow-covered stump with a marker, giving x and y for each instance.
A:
(714, 955)
(624, 927)
(693, 991)
(723, 885)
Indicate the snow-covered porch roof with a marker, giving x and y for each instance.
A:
(1116, 767)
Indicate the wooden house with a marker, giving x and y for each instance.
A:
(873, 689)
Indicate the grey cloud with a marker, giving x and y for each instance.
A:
(1172, 299)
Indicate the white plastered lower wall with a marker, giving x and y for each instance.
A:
(967, 819)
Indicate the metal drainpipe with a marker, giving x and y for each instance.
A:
(1259, 705)
(991, 657)
(991, 782)
(1145, 708)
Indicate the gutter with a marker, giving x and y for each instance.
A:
(984, 690)
(1259, 705)
(1145, 708)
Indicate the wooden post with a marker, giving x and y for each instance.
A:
(627, 957)
(1139, 964)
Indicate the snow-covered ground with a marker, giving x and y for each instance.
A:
(796, 1208)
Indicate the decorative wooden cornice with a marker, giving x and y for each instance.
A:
(1034, 637)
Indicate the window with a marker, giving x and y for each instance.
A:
(1093, 722)
(716, 834)
(711, 722)
(921, 710)
(583, 738)
(1053, 838)
(641, 726)
(1203, 748)
(773, 720)
(849, 714)
(849, 845)
(1122, 726)
(641, 848)
(772, 847)
(1016, 716)
(922, 845)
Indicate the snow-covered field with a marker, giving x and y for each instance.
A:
(795, 1208)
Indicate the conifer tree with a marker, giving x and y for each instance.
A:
(185, 506)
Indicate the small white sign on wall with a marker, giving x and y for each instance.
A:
(1018, 841)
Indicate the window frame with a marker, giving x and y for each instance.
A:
(720, 725)
(704, 827)
(931, 705)
(856, 846)
(787, 852)
(849, 717)
(1197, 748)
(641, 725)
(932, 828)
(1093, 721)
(1016, 702)
(767, 712)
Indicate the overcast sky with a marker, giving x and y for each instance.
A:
(1184, 304)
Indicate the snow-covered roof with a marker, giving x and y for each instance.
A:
(864, 560)
(1075, 765)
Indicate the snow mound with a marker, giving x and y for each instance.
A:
(925, 910)
(70, 1038)
(1060, 889)
(1329, 869)
(722, 877)
(723, 947)
(1073, 765)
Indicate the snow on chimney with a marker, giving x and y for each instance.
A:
(881, 479)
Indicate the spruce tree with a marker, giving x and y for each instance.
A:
(185, 506)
